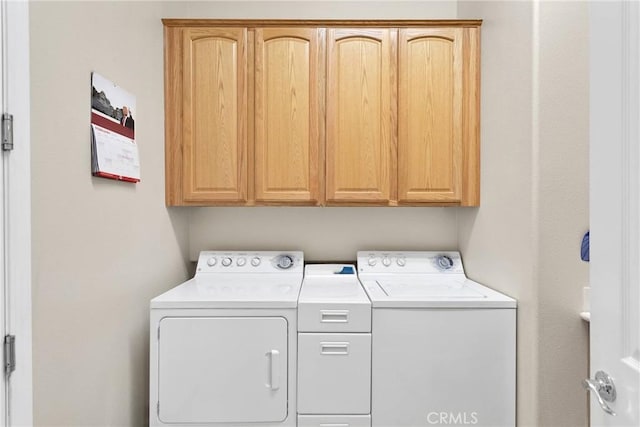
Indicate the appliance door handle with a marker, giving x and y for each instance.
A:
(275, 369)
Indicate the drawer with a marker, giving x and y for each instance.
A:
(334, 317)
(334, 420)
(334, 374)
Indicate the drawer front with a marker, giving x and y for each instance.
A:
(334, 374)
(334, 421)
(324, 317)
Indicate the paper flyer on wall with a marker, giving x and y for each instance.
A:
(114, 152)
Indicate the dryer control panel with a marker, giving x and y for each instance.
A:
(250, 262)
(410, 262)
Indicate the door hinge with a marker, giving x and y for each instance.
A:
(9, 354)
(7, 132)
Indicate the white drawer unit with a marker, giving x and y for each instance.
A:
(334, 420)
(334, 348)
(334, 373)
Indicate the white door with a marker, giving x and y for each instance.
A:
(222, 369)
(615, 214)
(15, 216)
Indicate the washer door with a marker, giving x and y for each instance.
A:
(222, 369)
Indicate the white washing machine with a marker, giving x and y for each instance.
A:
(223, 344)
(444, 346)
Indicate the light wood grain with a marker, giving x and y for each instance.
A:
(430, 117)
(215, 118)
(471, 114)
(235, 104)
(251, 133)
(287, 115)
(173, 115)
(360, 125)
(335, 23)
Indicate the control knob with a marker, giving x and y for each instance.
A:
(401, 261)
(211, 262)
(255, 261)
(386, 261)
(444, 262)
(241, 262)
(284, 262)
(372, 261)
(226, 261)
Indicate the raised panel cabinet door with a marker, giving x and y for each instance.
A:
(214, 129)
(289, 100)
(361, 110)
(430, 115)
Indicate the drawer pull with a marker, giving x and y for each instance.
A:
(334, 348)
(334, 316)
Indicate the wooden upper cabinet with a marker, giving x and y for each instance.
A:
(360, 140)
(289, 114)
(437, 116)
(214, 115)
(430, 115)
(285, 112)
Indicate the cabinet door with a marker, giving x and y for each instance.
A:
(222, 370)
(214, 132)
(430, 115)
(361, 110)
(289, 100)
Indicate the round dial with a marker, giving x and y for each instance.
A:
(284, 262)
(401, 261)
(255, 261)
(386, 261)
(211, 262)
(444, 262)
(226, 261)
(372, 261)
(241, 262)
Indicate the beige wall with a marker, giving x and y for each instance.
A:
(325, 234)
(525, 238)
(563, 211)
(101, 249)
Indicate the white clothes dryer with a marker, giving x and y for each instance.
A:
(223, 344)
(443, 347)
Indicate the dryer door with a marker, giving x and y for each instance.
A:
(222, 369)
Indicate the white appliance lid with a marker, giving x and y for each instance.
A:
(429, 288)
(233, 291)
(436, 291)
(332, 283)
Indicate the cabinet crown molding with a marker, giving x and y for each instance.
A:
(350, 23)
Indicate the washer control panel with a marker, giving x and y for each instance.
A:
(410, 262)
(250, 262)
